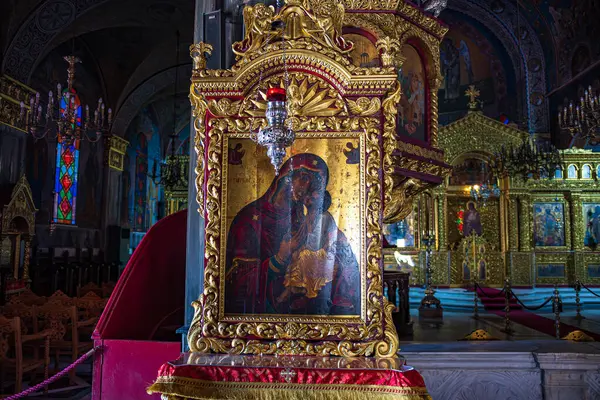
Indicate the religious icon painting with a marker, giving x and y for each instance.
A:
(548, 224)
(412, 118)
(551, 270)
(593, 270)
(294, 241)
(591, 218)
(364, 54)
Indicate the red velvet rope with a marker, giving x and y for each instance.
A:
(54, 378)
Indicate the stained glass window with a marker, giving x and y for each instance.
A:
(67, 170)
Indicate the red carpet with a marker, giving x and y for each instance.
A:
(521, 316)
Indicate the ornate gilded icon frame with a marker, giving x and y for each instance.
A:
(229, 103)
(310, 54)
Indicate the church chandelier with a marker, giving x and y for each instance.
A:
(482, 193)
(530, 160)
(277, 136)
(63, 117)
(173, 174)
(582, 120)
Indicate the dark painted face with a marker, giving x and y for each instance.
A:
(301, 183)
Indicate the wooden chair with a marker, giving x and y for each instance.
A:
(28, 298)
(59, 297)
(65, 326)
(107, 289)
(90, 305)
(12, 356)
(27, 314)
(89, 287)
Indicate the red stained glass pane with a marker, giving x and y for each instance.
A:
(68, 157)
(65, 207)
(66, 182)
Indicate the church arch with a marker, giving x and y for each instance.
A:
(40, 28)
(528, 59)
(139, 96)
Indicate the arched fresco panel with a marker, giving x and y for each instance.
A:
(412, 114)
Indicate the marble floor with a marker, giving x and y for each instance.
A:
(434, 341)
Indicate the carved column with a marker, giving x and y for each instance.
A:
(442, 222)
(434, 85)
(26, 256)
(577, 228)
(114, 156)
(525, 228)
(513, 223)
(577, 236)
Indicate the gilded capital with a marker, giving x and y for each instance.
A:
(391, 52)
(198, 53)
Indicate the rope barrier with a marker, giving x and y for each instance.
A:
(499, 294)
(531, 308)
(53, 378)
(589, 290)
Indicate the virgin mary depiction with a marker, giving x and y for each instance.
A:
(264, 238)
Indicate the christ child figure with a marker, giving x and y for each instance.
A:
(313, 265)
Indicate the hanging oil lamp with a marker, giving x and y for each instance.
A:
(276, 136)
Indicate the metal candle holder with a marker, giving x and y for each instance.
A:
(430, 305)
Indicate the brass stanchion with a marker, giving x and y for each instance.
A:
(556, 308)
(430, 305)
(507, 294)
(579, 317)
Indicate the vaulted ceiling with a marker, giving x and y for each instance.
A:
(128, 46)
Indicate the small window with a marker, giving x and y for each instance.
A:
(558, 174)
(586, 172)
(572, 172)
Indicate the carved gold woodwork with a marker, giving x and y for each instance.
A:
(115, 154)
(12, 93)
(17, 220)
(328, 95)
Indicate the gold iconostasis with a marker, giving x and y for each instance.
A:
(536, 232)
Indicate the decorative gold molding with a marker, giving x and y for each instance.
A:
(308, 95)
(390, 111)
(429, 154)
(12, 93)
(224, 107)
(364, 106)
(199, 107)
(198, 53)
(476, 133)
(479, 334)
(115, 156)
(578, 336)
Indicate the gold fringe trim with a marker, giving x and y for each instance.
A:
(188, 388)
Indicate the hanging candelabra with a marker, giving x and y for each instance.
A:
(530, 160)
(276, 136)
(173, 174)
(582, 120)
(482, 193)
(63, 117)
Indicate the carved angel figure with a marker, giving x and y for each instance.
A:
(257, 20)
(330, 17)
